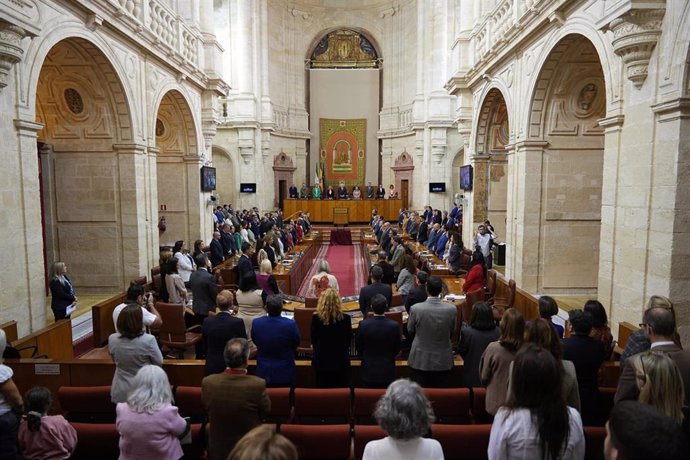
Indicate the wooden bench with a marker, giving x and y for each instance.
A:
(102, 318)
(54, 341)
(10, 329)
(624, 330)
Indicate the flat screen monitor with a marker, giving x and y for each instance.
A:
(208, 179)
(466, 177)
(248, 188)
(437, 187)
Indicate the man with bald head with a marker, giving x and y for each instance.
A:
(217, 256)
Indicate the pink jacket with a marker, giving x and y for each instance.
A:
(152, 436)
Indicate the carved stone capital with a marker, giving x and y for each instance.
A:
(11, 50)
(635, 35)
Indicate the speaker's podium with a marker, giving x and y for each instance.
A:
(341, 216)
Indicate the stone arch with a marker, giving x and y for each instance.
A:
(95, 47)
(178, 164)
(85, 178)
(364, 32)
(546, 62)
(493, 136)
(226, 175)
(561, 188)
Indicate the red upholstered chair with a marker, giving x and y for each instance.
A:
(321, 405)
(594, 442)
(174, 333)
(479, 413)
(281, 405)
(96, 441)
(303, 318)
(396, 316)
(87, 404)
(451, 405)
(606, 395)
(501, 304)
(319, 442)
(490, 290)
(364, 403)
(311, 302)
(462, 442)
(364, 434)
(471, 298)
(188, 401)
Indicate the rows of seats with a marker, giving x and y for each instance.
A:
(322, 423)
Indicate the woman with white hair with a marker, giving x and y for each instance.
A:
(322, 280)
(61, 291)
(405, 414)
(11, 405)
(149, 425)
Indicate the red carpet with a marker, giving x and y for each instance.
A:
(342, 262)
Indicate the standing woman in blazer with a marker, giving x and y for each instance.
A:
(61, 290)
(177, 292)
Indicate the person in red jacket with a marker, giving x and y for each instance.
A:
(477, 274)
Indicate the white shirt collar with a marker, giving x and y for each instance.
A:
(660, 344)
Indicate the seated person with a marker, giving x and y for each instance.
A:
(330, 193)
(356, 193)
(316, 192)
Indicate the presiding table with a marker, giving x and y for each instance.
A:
(355, 211)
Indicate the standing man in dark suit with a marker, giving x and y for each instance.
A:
(370, 191)
(217, 330)
(342, 191)
(204, 292)
(659, 325)
(378, 343)
(227, 240)
(276, 339)
(422, 232)
(432, 323)
(376, 287)
(217, 256)
(244, 266)
(235, 402)
(293, 191)
(388, 271)
(587, 354)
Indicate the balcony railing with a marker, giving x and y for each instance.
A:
(165, 24)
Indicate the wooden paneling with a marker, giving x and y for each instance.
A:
(54, 340)
(102, 316)
(357, 210)
(10, 329)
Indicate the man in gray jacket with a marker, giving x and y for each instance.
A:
(432, 323)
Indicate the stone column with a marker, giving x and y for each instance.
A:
(29, 270)
(152, 187)
(523, 262)
(135, 210)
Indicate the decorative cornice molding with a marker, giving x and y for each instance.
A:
(615, 121)
(673, 109)
(635, 35)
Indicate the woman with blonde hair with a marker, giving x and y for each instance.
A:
(660, 383)
(149, 425)
(331, 332)
(61, 291)
(266, 281)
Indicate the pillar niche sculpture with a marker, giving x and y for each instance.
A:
(11, 51)
(635, 35)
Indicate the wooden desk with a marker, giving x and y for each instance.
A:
(290, 276)
(358, 210)
(54, 340)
